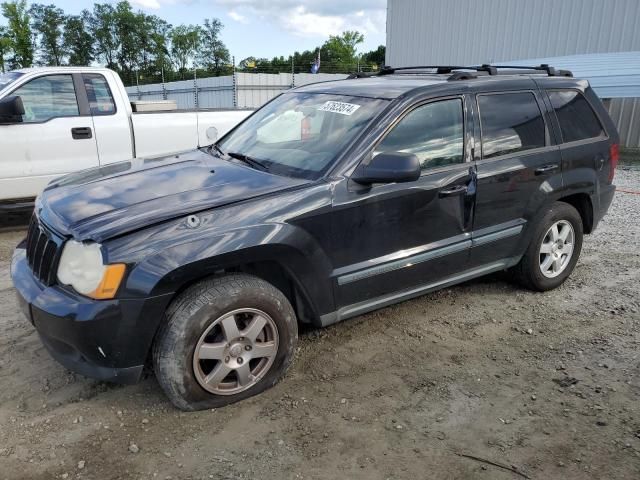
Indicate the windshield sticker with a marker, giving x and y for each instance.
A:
(339, 107)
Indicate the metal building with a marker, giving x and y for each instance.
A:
(450, 32)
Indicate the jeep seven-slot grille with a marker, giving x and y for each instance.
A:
(43, 251)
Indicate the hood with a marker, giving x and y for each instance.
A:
(104, 202)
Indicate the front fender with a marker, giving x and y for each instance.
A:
(169, 269)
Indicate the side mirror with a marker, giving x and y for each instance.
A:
(388, 167)
(11, 110)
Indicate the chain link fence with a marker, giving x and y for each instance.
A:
(240, 88)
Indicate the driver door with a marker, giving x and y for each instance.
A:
(53, 138)
(400, 239)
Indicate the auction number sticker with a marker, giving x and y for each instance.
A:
(339, 107)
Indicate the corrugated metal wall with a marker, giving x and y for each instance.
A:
(426, 32)
(454, 32)
(625, 113)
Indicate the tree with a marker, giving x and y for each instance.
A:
(340, 51)
(102, 27)
(48, 22)
(185, 40)
(18, 33)
(155, 50)
(78, 42)
(213, 53)
(374, 57)
(131, 33)
(5, 47)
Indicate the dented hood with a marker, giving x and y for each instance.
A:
(109, 201)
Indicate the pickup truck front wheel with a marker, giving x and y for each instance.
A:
(225, 339)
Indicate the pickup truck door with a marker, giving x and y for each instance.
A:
(110, 120)
(55, 136)
(401, 239)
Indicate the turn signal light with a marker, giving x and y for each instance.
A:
(113, 275)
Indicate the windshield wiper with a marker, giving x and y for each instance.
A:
(220, 151)
(249, 160)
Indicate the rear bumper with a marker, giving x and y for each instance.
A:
(601, 202)
(107, 340)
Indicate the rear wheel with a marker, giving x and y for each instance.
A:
(225, 339)
(554, 249)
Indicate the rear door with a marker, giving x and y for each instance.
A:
(54, 138)
(405, 237)
(518, 165)
(112, 127)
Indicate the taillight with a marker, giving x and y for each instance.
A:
(614, 156)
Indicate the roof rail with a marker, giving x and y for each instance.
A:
(465, 73)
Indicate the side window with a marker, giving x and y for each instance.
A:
(433, 132)
(575, 115)
(510, 122)
(99, 94)
(48, 97)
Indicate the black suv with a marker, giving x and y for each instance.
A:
(332, 200)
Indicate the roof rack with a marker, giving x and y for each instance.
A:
(468, 72)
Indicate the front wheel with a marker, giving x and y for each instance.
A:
(225, 339)
(554, 249)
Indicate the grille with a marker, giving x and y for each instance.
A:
(43, 251)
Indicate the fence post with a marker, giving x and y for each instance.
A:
(138, 87)
(164, 89)
(293, 74)
(195, 86)
(235, 84)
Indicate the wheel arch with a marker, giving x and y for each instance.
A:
(582, 203)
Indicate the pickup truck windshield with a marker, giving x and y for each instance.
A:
(7, 78)
(300, 134)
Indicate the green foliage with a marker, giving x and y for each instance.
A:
(213, 54)
(342, 48)
(78, 42)
(374, 57)
(48, 22)
(18, 33)
(143, 47)
(102, 27)
(185, 40)
(5, 47)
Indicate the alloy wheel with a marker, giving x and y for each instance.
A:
(235, 351)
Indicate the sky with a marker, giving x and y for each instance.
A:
(267, 28)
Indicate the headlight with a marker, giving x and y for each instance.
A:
(81, 267)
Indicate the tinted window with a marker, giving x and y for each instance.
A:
(99, 94)
(48, 97)
(433, 132)
(511, 122)
(575, 115)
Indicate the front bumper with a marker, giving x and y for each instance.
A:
(103, 339)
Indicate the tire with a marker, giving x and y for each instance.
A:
(201, 320)
(529, 272)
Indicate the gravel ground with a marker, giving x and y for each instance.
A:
(546, 385)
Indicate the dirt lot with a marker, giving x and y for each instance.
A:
(546, 383)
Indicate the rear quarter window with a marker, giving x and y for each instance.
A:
(577, 119)
(510, 123)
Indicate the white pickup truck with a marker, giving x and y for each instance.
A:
(56, 120)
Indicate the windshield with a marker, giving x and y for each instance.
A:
(300, 134)
(7, 78)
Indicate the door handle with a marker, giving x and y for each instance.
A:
(80, 133)
(458, 190)
(546, 169)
